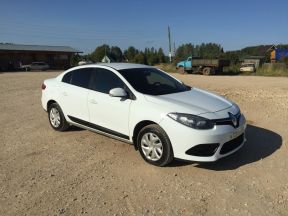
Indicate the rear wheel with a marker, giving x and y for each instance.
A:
(56, 118)
(154, 145)
(207, 71)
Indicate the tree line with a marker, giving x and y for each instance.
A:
(148, 56)
(153, 56)
(204, 50)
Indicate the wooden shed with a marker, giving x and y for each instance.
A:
(13, 55)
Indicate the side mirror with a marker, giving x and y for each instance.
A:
(118, 92)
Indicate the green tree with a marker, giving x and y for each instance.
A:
(152, 56)
(232, 56)
(149, 56)
(184, 51)
(210, 50)
(161, 56)
(75, 59)
(140, 58)
(99, 53)
(204, 50)
(116, 54)
(130, 53)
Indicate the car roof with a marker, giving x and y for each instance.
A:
(121, 66)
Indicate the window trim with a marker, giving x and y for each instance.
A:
(130, 93)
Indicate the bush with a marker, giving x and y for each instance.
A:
(275, 69)
(231, 70)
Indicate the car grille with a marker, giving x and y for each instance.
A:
(228, 121)
(232, 144)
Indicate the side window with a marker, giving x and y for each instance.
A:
(81, 77)
(104, 80)
(67, 77)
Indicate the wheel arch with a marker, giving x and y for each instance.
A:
(49, 103)
(138, 128)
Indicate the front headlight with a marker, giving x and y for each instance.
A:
(192, 121)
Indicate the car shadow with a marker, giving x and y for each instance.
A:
(228, 73)
(261, 143)
(74, 128)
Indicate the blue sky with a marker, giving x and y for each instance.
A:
(87, 24)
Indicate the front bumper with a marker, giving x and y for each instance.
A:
(225, 138)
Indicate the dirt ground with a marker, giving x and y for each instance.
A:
(44, 172)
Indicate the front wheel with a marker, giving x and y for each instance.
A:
(56, 118)
(181, 70)
(154, 145)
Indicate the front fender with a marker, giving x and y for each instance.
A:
(141, 112)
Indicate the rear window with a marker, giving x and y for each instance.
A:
(80, 77)
(67, 77)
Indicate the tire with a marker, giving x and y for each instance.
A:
(207, 71)
(56, 118)
(160, 142)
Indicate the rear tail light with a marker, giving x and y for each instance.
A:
(43, 86)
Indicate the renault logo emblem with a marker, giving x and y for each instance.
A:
(233, 119)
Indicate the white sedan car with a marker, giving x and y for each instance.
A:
(163, 118)
(35, 66)
(247, 68)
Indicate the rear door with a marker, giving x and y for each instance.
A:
(108, 114)
(73, 94)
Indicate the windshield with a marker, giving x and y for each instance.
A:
(152, 81)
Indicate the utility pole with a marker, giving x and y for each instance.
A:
(174, 50)
(170, 51)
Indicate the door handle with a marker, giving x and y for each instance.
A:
(64, 94)
(93, 101)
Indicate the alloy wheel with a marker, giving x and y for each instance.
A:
(54, 117)
(151, 146)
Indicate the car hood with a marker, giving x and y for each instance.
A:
(195, 101)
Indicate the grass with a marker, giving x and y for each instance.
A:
(277, 69)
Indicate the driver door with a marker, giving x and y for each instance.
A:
(108, 114)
